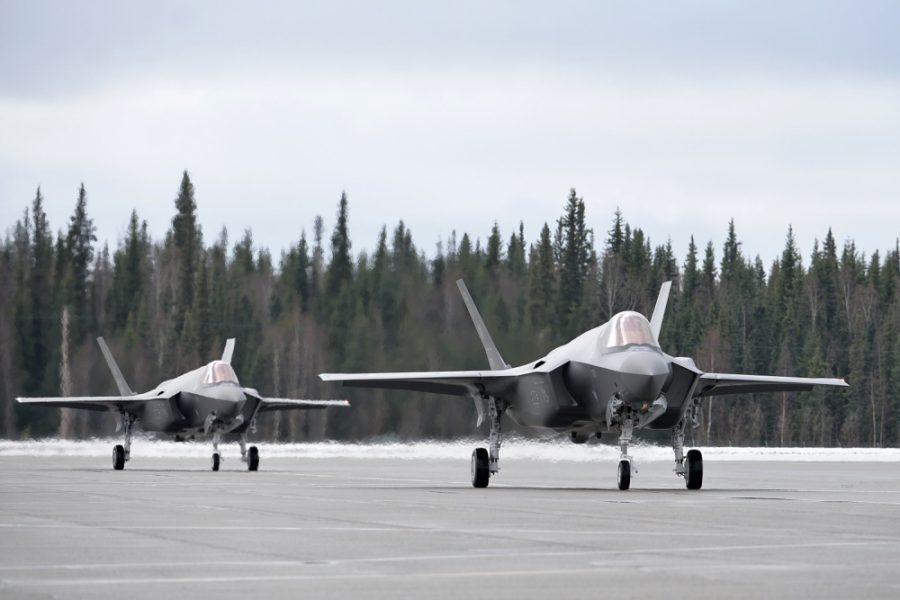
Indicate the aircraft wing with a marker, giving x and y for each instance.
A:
(453, 383)
(718, 384)
(267, 404)
(99, 403)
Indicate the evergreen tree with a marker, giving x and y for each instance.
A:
(341, 269)
(396, 309)
(80, 252)
(493, 257)
(187, 241)
(542, 283)
(515, 253)
(574, 264)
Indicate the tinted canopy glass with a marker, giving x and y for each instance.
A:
(625, 329)
(219, 372)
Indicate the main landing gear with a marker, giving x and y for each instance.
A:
(485, 463)
(691, 468)
(122, 454)
(248, 455)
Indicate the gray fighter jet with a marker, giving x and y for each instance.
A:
(612, 379)
(207, 401)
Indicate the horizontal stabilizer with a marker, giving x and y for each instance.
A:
(453, 383)
(99, 403)
(299, 404)
(718, 384)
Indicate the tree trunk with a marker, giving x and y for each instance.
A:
(65, 377)
(783, 417)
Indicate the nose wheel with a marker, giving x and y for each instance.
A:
(624, 476)
(216, 457)
(626, 469)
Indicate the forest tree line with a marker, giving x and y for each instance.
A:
(166, 306)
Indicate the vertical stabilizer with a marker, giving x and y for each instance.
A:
(493, 355)
(660, 310)
(229, 350)
(124, 389)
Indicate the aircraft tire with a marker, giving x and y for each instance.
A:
(624, 476)
(481, 470)
(215, 461)
(693, 475)
(252, 458)
(118, 457)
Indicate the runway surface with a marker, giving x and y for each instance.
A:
(366, 528)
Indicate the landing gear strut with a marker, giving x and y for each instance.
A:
(216, 457)
(625, 466)
(692, 468)
(486, 463)
(122, 454)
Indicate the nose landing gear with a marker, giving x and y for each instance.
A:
(216, 457)
(623, 478)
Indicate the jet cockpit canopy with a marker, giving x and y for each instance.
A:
(219, 372)
(626, 329)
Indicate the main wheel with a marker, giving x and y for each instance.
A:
(215, 462)
(693, 473)
(624, 477)
(252, 458)
(481, 468)
(118, 457)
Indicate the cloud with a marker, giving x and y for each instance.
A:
(450, 121)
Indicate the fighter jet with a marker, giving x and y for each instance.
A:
(207, 401)
(613, 379)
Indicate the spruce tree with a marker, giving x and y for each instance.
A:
(187, 241)
(574, 263)
(80, 251)
(340, 269)
(493, 258)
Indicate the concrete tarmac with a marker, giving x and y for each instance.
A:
(372, 528)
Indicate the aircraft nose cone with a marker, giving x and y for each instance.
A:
(230, 398)
(643, 376)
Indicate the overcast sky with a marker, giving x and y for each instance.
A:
(450, 115)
